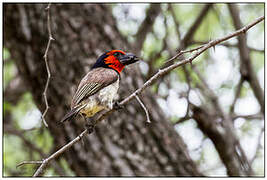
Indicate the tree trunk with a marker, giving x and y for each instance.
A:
(121, 145)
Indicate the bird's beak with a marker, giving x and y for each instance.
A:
(128, 58)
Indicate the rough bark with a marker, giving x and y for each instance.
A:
(122, 145)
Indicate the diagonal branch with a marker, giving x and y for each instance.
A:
(246, 68)
(146, 26)
(237, 94)
(45, 162)
(148, 83)
(258, 145)
(188, 36)
(226, 44)
(46, 63)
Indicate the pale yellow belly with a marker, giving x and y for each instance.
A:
(90, 111)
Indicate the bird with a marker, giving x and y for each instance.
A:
(97, 89)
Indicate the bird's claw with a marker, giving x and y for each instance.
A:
(90, 128)
(90, 125)
(117, 106)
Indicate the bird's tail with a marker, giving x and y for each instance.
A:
(71, 114)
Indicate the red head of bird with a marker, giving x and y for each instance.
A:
(115, 59)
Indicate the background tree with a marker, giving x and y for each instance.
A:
(123, 144)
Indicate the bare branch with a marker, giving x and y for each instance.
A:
(258, 146)
(237, 94)
(45, 162)
(170, 7)
(226, 44)
(196, 24)
(144, 107)
(188, 36)
(249, 117)
(146, 26)
(46, 63)
(145, 85)
(29, 162)
(166, 70)
(246, 68)
(183, 52)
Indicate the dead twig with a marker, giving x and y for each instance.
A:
(29, 162)
(249, 117)
(144, 107)
(46, 63)
(183, 52)
(226, 44)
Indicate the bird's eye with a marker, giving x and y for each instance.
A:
(116, 54)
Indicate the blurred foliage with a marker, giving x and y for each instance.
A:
(217, 23)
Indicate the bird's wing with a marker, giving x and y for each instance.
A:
(93, 82)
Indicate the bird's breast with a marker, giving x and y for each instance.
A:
(101, 100)
(107, 94)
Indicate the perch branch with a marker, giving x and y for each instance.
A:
(46, 63)
(148, 83)
(144, 107)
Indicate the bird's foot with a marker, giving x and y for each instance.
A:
(90, 125)
(117, 106)
(90, 128)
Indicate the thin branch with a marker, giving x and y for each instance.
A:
(183, 119)
(226, 44)
(258, 146)
(146, 26)
(237, 94)
(243, 159)
(29, 162)
(183, 52)
(155, 56)
(249, 117)
(144, 107)
(45, 162)
(170, 8)
(185, 70)
(185, 41)
(145, 85)
(46, 63)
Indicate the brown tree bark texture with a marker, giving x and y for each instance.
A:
(121, 145)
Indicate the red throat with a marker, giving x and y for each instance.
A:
(114, 63)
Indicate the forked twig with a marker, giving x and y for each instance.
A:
(29, 162)
(183, 52)
(46, 63)
(144, 107)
